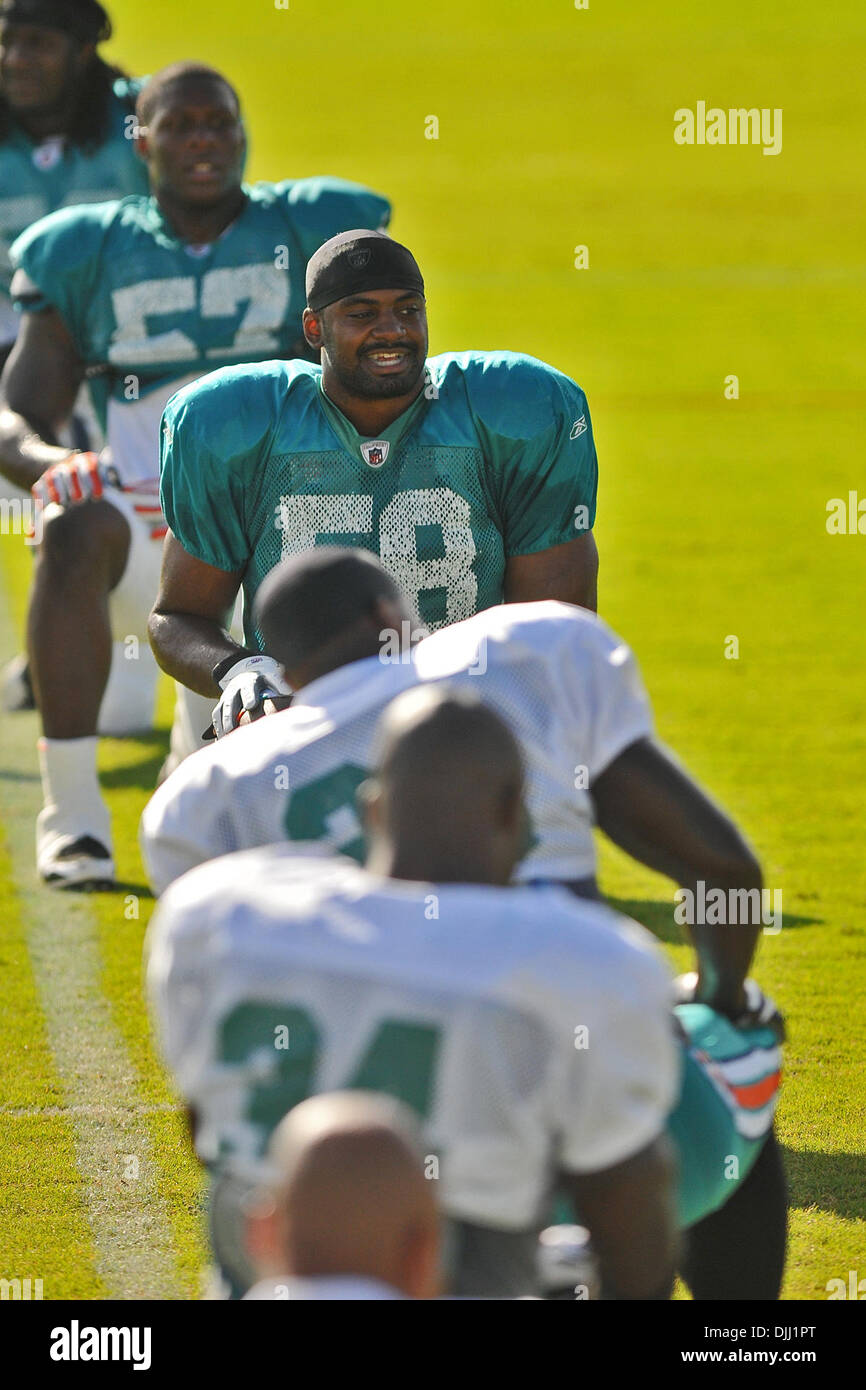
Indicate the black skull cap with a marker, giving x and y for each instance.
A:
(85, 20)
(357, 261)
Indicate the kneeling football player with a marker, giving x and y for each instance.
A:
(531, 1031)
(140, 296)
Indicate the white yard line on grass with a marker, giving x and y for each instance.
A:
(134, 1248)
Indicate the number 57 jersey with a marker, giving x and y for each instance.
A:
(147, 311)
(531, 1032)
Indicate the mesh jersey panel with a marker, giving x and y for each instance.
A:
(275, 978)
(563, 681)
(429, 516)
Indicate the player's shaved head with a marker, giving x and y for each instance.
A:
(350, 1196)
(157, 89)
(326, 607)
(446, 801)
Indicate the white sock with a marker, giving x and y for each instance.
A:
(73, 803)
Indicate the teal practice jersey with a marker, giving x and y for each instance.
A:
(494, 459)
(39, 177)
(146, 310)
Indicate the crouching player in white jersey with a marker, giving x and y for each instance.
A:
(530, 1030)
(569, 688)
(140, 296)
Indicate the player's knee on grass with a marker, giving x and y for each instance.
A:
(89, 542)
(738, 1252)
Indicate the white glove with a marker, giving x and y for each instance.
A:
(78, 478)
(245, 686)
(758, 1011)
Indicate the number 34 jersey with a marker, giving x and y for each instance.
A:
(531, 1032)
(148, 312)
(495, 458)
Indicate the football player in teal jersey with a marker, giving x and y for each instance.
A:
(139, 296)
(66, 126)
(66, 122)
(472, 475)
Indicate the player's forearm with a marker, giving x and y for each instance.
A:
(188, 647)
(653, 810)
(24, 453)
(631, 1216)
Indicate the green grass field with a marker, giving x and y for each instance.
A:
(555, 131)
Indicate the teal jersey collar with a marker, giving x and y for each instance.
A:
(374, 452)
(164, 232)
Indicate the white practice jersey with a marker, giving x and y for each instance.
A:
(566, 684)
(530, 1031)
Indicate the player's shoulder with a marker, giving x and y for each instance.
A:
(580, 939)
(510, 632)
(509, 393)
(250, 390)
(307, 199)
(265, 886)
(250, 752)
(563, 946)
(75, 229)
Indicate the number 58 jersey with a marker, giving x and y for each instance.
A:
(531, 1032)
(493, 459)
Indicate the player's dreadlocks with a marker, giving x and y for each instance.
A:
(86, 22)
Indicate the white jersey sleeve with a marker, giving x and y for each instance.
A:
(571, 691)
(200, 811)
(619, 1081)
(291, 776)
(601, 686)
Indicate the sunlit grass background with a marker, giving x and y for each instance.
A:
(556, 131)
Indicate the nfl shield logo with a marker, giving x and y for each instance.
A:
(49, 153)
(375, 452)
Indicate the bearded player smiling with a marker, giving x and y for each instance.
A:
(472, 475)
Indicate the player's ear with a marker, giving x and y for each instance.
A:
(260, 1229)
(389, 618)
(368, 798)
(312, 328)
(140, 142)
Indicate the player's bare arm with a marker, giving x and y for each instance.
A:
(657, 813)
(566, 572)
(37, 391)
(629, 1211)
(187, 627)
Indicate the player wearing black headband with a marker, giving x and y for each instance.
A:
(472, 475)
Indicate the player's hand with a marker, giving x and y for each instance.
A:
(272, 704)
(755, 1010)
(246, 686)
(78, 478)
